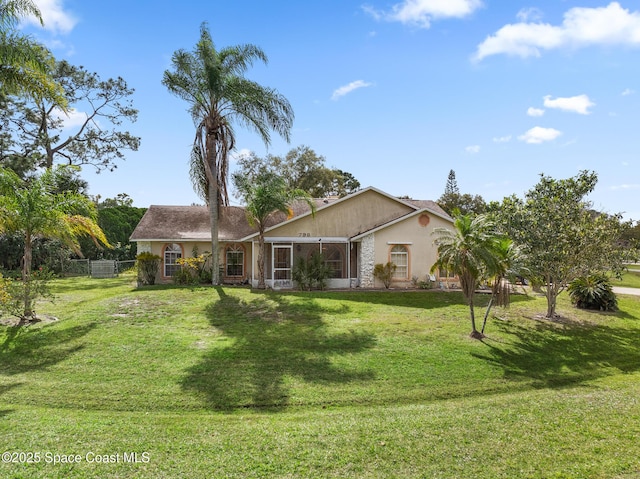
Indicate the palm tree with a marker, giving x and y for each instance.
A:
(25, 66)
(33, 209)
(213, 83)
(264, 195)
(508, 263)
(467, 252)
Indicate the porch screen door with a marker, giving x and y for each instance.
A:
(282, 260)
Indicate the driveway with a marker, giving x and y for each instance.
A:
(631, 291)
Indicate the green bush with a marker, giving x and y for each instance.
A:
(148, 265)
(311, 273)
(384, 272)
(16, 295)
(593, 292)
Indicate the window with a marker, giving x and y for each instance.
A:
(235, 260)
(333, 258)
(443, 273)
(172, 253)
(400, 257)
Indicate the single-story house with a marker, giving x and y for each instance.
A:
(354, 234)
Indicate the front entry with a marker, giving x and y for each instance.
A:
(282, 259)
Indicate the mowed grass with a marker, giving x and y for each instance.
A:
(630, 279)
(228, 382)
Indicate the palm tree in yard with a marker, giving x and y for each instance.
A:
(264, 195)
(507, 264)
(25, 66)
(468, 251)
(34, 209)
(212, 82)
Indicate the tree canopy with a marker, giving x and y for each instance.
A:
(42, 135)
(452, 200)
(303, 169)
(561, 237)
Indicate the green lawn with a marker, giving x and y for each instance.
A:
(227, 382)
(630, 279)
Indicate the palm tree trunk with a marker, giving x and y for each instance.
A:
(26, 277)
(212, 177)
(486, 314)
(261, 258)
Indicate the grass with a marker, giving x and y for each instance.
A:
(227, 382)
(630, 279)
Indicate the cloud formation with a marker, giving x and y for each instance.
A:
(420, 13)
(502, 139)
(473, 149)
(581, 27)
(531, 111)
(72, 119)
(354, 85)
(577, 104)
(55, 18)
(538, 134)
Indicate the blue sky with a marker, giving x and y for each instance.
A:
(396, 92)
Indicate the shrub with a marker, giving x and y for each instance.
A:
(193, 270)
(16, 295)
(311, 273)
(384, 272)
(593, 292)
(148, 264)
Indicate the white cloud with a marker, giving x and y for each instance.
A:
(625, 187)
(531, 111)
(421, 12)
(628, 91)
(610, 25)
(354, 85)
(55, 18)
(578, 104)
(241, 153)
(539, 134)
(502, 139)
(527, 14)
(72, 119)
(473, 149)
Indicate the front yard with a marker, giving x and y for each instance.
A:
(166, 382)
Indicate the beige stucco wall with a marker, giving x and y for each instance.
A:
(418, 240)
(345, 218)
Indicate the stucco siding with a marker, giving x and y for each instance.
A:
(345, 219)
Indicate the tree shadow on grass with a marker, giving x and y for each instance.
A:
(558, 355)
(264, 342)
(26, 349)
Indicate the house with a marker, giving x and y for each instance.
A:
(354, 234)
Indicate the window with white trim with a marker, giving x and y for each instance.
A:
(400, 257)
(172, 253)
(235, 260)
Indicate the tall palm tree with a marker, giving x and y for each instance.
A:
(468, 252)
(264, 195)
(25, 66)
(212, 82)
(33, 209)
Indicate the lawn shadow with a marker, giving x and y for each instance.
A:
(423, 299)
(265, 342)
(28, 348)
(559, 355)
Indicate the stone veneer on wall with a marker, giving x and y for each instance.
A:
(367, 260)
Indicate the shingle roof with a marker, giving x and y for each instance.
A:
(191, 223)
